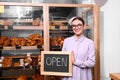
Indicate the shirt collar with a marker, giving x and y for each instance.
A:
(79, 39)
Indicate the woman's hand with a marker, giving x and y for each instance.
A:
(73, 59)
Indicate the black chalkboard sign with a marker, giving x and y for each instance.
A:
(56, 63)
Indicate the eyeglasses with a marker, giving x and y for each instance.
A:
(77, 26)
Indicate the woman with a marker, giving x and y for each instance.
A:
(83, 51)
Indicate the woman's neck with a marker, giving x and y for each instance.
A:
(79, 36)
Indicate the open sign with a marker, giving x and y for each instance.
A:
(56, 63)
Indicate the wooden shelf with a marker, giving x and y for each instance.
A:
(22, 28)
(21, 48)
(28, 47)
(59, 21)
(28, 27)
(17, 72)
(23, 21)
(115, 76)
(9, 48)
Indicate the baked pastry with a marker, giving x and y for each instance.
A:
(51, 78)
(16, 64)
(36, 22)
(4, 37)
(60, 41)
(22, 78)
(17, 41)
(8, 22)
(39, 59)
(53, 42)
(1, 42)
(34, 40)
(28, 44)
(34, 36)
(37, 77)
(7, 62)
(31, 42)
(34, 61)
(23, 42)
(13, 38)
(12, 43)
(6, 42)
(28, 59)
(39, 42)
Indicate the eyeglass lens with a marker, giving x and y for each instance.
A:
(78, 25)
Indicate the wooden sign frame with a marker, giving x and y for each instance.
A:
(56, 53)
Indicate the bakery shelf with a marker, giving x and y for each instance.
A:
(59, 21)
(21, 48)
(28, 27)
(28, 47)
(23, 21)
(17, 72)
(9, 48)
(55, 48)
(21, 28)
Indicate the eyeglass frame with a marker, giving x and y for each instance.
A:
(77, 26)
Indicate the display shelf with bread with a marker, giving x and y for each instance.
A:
(33, 41)
(59, 26)
(23, 65)
(48, 20)
(57, 37)
(65, 12)
(21, 40)
(21, 25)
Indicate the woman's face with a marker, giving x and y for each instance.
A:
(77, 27)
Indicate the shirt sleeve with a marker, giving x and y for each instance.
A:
(90, 61)
(64, 45)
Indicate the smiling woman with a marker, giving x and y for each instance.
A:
(77, 24)
(83, 51)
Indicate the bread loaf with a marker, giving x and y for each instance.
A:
(36, 22)
(22, 78)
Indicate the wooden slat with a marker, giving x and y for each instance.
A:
(71, 5)
(87, 10)
(46, 26)
(96, 27)
(59, 21)
(9, 48)
(115, 76)
(23, 21)
(20, 4)
(50, 4)
(28, 47)
(28, 27)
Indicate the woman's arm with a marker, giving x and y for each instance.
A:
(90, 61)
(64, 45)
